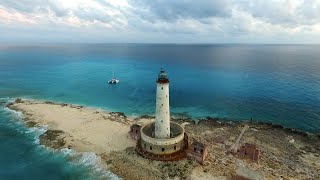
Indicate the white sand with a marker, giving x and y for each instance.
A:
(86, 130)
(198, 174)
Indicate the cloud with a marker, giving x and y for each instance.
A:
(86, 11)
(161, 21)
(283, 12)
(175, 10)
(35, 6)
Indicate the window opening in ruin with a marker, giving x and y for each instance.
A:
(162, 149)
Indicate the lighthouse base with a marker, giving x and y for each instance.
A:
(178, 155)
(163, 149)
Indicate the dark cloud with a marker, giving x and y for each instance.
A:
(90, 14)
(283, 12)
(33, 6)
(22, 6)
(44, 6)
(57, 9)
(103, 3)
(173, 10)
(310, 11)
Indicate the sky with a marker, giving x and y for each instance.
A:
(156, 21)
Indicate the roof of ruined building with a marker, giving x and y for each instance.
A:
(198, 144)
(135, 126)
(250, 145)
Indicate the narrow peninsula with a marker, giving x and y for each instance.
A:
(284, 153)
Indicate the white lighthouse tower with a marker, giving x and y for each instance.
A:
(162, 125)
(161, 139)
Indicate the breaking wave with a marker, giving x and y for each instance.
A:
(91, 161)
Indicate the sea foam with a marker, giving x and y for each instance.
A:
(17, 118)
(88, 159)
(91, 161)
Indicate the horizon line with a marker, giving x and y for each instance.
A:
(147, 43)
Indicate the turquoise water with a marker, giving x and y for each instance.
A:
(270, 83)
(22, 157)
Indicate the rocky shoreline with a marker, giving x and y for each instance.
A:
(285, 153)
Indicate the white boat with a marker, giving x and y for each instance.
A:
(113, 80)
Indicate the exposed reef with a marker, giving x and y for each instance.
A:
(53, 139)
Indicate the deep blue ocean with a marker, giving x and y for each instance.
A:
(270, 83)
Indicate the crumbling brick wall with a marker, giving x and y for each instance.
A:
(197, 151)
(249, 151)
(134, 132)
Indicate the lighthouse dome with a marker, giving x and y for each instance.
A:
(163, 77)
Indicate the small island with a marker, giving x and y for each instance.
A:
(164, 147)
(284, 153)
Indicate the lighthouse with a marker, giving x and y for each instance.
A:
(162, 124)
(161, 139)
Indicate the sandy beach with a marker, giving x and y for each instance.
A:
(84, 129)
(285, 154)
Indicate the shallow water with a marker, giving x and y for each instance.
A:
(21, 156)
(270, 83)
